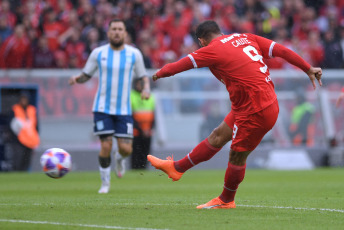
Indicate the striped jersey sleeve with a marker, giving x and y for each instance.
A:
(91, 65)
(139, 67)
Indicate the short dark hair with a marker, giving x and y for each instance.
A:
(118, 20)
(206, 29)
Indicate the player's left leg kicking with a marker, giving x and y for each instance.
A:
(248, 132)
(202, 152)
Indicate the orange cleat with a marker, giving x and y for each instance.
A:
(167, 166)
(217, 203)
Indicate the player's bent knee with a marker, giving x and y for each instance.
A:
(238, 158)
(125, 150)
(217, 139)
(125, 146)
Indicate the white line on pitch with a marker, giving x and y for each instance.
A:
(306, 209)
(77, 225)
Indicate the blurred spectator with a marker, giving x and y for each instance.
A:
(64, 13)
(159, 26)
(145, 53)
(5, 30)
(15, 52)
(71, 19)
(99, 25)
(315, 48)
(43, 57)
(342, 43)
(29, 14)
(333, 51)
(93, 22)
(92, 40)
(53, 29)
(5, 11)
(306, 24)
(328, 16)
(61, 59)
(32, 36)
(74, 48)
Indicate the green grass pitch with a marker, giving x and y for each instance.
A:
(149, 200)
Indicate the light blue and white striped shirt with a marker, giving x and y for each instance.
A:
(116, 69)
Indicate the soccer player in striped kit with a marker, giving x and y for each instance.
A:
(237, 61)
(117, 64)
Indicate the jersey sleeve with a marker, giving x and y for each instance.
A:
(272, 49)
(91, 65)
(265, 45)
(139, 66)
(291, 57)
(171, 69)
(203, 57)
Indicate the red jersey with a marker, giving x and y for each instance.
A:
(15, 53)
(237, 61)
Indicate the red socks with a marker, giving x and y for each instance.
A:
(234, 176)
(202, 152)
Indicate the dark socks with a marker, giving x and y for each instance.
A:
(104, 161)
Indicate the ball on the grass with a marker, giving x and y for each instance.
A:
(56, 162)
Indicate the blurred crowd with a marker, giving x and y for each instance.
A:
(62, 33)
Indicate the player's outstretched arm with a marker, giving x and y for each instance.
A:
(295, 59)
(340, 98)
(173, 68)
(78, 79)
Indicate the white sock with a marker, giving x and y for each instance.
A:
(105, 174)
(119, 156)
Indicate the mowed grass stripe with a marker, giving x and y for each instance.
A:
(250, 206)
(149, 200)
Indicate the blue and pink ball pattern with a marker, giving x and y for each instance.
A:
(56, 162)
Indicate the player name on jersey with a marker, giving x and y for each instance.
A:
(237, 42)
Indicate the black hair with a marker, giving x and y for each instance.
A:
(118, 20)
(206, 29)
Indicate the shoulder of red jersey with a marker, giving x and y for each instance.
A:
(203, 57)
(266, 45)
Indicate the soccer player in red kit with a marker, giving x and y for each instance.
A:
(237, 61)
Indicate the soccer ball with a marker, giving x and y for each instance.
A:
(56, 162)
